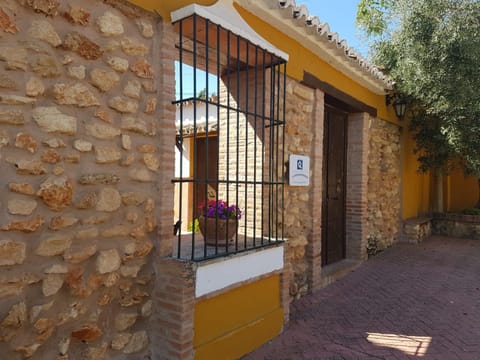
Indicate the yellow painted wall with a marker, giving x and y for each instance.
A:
(415, 185)
(462, 191)
(459, 192)
(235, 323)
(165, 7)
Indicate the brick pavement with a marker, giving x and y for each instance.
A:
(409, 302)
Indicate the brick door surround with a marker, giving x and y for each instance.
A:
(356, 191)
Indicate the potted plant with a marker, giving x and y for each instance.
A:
(218, 221)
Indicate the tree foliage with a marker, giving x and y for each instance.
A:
(202, 94)
(432, 49)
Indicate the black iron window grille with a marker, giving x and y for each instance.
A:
(229, 142)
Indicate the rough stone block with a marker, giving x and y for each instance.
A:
(43, 30)
(75, 94)
(56, 192)
(51, 120)
(110, 24)
(109, 200)
(21, 207)
(12, 252)
(54, 245)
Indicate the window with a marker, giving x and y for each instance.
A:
(230, 140)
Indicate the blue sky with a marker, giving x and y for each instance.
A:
(340, 15)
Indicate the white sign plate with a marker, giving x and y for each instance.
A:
(299, 170)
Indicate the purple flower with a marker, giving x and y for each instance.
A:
(220, 209)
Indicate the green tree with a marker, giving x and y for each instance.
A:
(431, 48)
(202, 94)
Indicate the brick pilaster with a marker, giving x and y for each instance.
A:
(173, 310)
(357, 186)
(171, 325)
(166, 127)
(314, 247)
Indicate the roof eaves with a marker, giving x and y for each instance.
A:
(296, 22)
(224, 14)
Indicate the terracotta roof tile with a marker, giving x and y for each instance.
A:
(328, 43)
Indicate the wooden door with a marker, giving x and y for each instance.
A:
(334, 176)
(206, 167)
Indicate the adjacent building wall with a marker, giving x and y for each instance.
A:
(81, 148)
(244, 147)
(416, 195)
(462, 191)
(459, 191)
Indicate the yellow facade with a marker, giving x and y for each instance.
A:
(462, 192)
(234, 323)
(459, 192)
(415, 186)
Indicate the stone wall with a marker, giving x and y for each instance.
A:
(300, 211)
(80, 165)
(383, 185)
(456, 225)
(373, 183)
(417, 229)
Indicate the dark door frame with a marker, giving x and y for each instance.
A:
(336, 97)
(208, 177)
(325, 202)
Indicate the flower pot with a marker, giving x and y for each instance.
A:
(214, 230)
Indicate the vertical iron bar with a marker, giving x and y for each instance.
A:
(237, 167)
(276, 138)
(277, 149)
(263, 145)
(180, 194)
(247, 122)
(255, 149)
(271, 156)
(218, 121)
(227, 165)
(206, 126)
(195, 147)
(283, 144)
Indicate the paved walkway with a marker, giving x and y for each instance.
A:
(410, 302)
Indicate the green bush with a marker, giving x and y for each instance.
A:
(194, 226)
(472, 211)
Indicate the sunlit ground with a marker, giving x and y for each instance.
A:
(409, 345)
